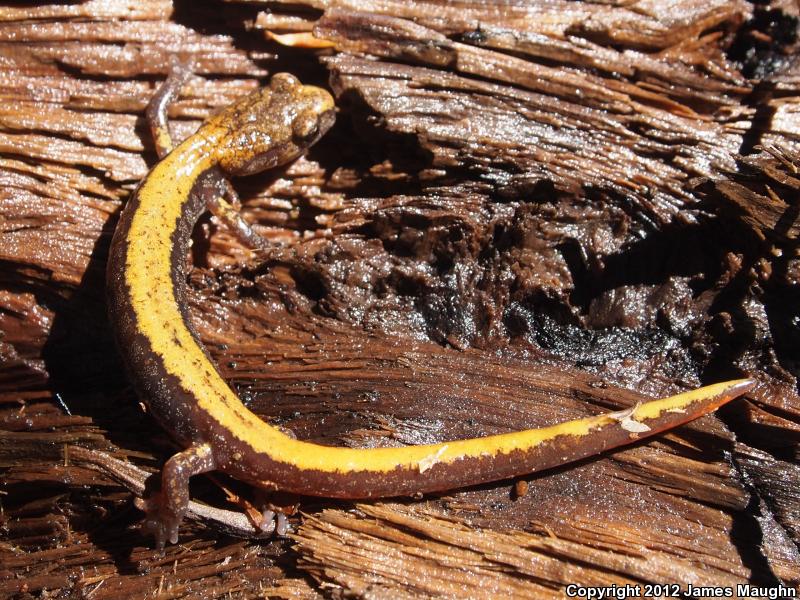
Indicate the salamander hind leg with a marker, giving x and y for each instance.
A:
(275, 510)
(166, 508)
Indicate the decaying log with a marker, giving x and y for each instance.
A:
(526, 213)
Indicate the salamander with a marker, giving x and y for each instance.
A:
(185, 392)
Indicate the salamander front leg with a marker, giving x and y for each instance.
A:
(214, 195)
(166, 508)
(217, 187)
(156, 112)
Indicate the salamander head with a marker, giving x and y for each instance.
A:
(272, 126)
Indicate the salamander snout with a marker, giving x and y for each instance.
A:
(315, 117)
(273, 126)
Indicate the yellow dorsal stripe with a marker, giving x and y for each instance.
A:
(148, 274)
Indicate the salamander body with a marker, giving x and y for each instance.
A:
(186, 394)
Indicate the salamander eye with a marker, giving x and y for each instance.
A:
(305, 127)
(283, 82)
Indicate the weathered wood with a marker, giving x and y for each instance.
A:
(526, 212)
